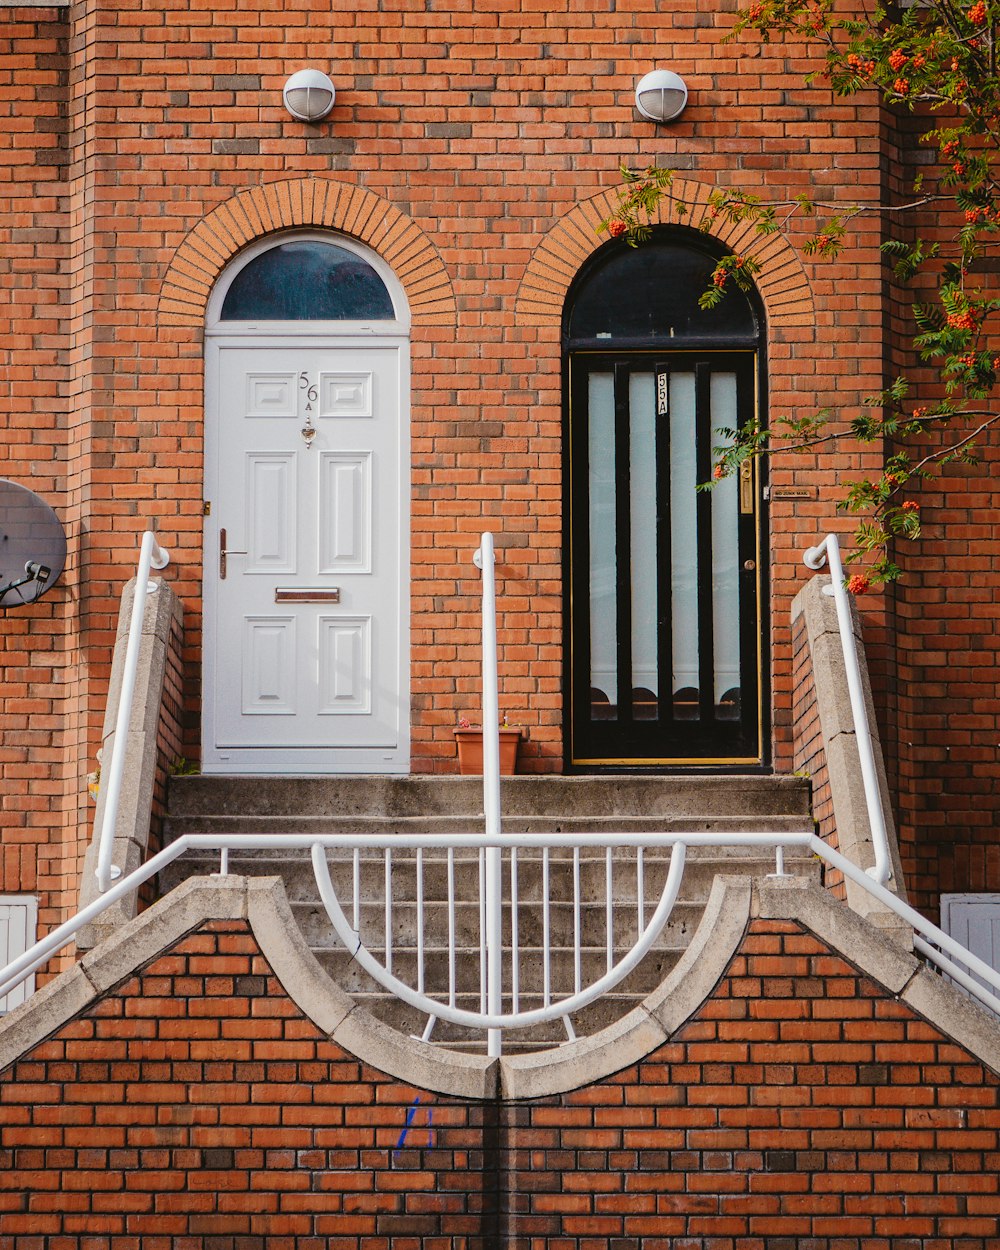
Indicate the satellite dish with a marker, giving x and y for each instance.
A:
(32, 545)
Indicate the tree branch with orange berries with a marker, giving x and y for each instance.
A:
(939, 57)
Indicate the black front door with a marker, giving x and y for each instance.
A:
(666, 630)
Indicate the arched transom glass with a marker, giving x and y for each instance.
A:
(307, 280)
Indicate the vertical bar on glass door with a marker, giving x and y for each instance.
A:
(725, 562)
(664, 604)
(601, 468)
(623, 546)
(683, 545)
(703, 503)
(643, 541)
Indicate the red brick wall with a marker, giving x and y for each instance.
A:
(810, 752)
(170, 739)
(944, 696)
(486, 127)
(41, 795)
(195, 1105)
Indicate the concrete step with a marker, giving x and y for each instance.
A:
(639, 982)
(404, 825)
(317, 930)
(642, 797)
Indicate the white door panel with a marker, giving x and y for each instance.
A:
(345, 677)
(271, 507)
(268, 666)
(305, 626)
(345, 518)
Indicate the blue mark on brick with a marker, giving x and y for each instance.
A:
(410, 1115)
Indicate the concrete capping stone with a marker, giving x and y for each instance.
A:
(862, 943)
(661, 1014)
(583, 1062)
(263, 903)
(850, 810)
(701, 967)
(127, 949)
(131, 833)
(416, 1062)
(128, 855)
(293, 963)
(134, 944)
(959, 1017)
(48, 1009)
(732, 903)
(858, 939)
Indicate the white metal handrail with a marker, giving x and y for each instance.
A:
(828, 552)
(151, 555)
(982, 981)
(485, 560)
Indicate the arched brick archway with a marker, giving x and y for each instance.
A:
(710, 379)
(306, 202)
(782, 281)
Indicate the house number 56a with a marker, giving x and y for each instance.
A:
(308, 430)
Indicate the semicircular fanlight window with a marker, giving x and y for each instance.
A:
(307, 280)
(651, 293)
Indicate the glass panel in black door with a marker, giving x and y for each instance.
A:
(666, 636)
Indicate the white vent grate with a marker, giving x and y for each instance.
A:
(974, 920)
(18, 931)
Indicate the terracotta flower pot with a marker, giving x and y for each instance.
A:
(470, 751)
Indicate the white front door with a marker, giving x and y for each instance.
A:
(305, 558)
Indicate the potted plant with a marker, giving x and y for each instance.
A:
(470, 748)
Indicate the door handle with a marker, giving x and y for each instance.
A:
(226, 551)
(746, 487)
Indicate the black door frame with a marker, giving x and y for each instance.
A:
(625, 744)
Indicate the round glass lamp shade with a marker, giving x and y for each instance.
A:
(309, 95)
(661, 96)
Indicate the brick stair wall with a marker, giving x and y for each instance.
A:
(803, 1104)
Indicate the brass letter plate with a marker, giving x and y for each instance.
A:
(307, 594)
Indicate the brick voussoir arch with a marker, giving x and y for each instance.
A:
(304, 203)
(782, 281)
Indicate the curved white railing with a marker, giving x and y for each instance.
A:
(828, 552)
(151, 556)
(491, 1015)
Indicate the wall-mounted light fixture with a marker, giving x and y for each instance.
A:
(661, 95)
(309, 95)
